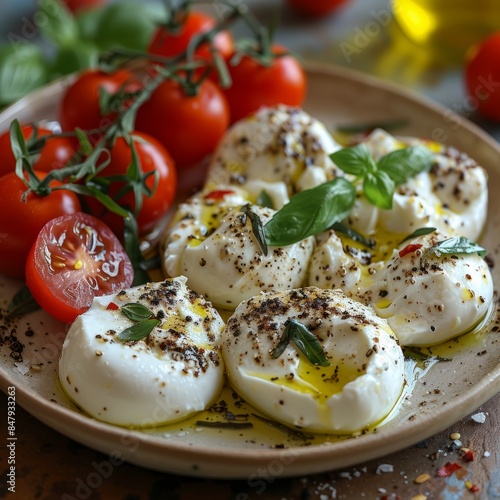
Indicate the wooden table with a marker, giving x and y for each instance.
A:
(50, 466)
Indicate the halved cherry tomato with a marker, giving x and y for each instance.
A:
(188, 126)
(170, 44)
(74, 259)
(55, 153)
(482, 77)
(22, 221)
(152, 157)
(255, 85)
(80, 105)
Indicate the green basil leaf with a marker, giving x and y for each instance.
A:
(403, 164)
(311, 212)
(456, 245)
(60, 26)
(22, 69)
(22, 303)
(307, 343)
(264, 200)
(354, 235)
(418, 232)
(355, 160)
(73, 58)
(379, 189)
(257, 228)
(136, 312)
(282, 344)
(139, 331)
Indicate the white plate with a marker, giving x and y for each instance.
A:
(447, 392)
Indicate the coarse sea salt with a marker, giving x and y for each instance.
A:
(480, 417)
(385, 468)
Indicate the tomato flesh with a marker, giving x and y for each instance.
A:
(74, 259)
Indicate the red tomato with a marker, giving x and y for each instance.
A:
(316, 7)
(482, 76)
(170, 44)
(77, 6)
(152, 156)
(255, 85)
(80, 104)
(188, 126)
(55, 153)
(74, 259)
(21, 222)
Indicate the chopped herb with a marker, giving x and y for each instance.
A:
(139, 331)
(136, 312)
(418, 355)
(22, 303)
(455, 245)
(292, 432)
(354, 235)
(418, 232)
(224, 425)
(304, 340)
(257, 227)
(264, 200)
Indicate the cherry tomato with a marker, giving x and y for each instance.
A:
(74, 259)
(316, 8)
(80, 104)
(169, 44)
(77, 6)
(255, 85)
(152, 156)
(55, 153)
(22, 221)
(188, 126)
(482, 77)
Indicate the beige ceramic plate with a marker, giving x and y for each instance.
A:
(447, 392)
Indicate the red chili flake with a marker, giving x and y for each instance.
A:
(112, 306)
(412, 247)
(218, 194)
(468, 456)
(448, 469)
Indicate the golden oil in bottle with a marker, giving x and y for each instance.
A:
(449, 27)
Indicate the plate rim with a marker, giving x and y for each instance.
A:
(306, 459)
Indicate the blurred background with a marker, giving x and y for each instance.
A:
(422, 45)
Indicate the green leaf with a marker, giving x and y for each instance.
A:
(131, 239)
(418, 232)
(106, 200)
(83, 141)
(139, 331)
(264, 200)
(22, 69)
(136, 312)
(127, 25)
(355, 160)
(22, 303)
(257, 228)
(59, 26)
(457, 245)
(304, 340)
(403, 164)
(379, 189)
(311, 212)
(354, 235)
(72, 58)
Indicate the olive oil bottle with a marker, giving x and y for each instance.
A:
(449, 27)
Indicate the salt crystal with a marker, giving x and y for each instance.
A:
(384, 468)
(486, 454)
(23, 368)
(345, 475)
(382, 490)
(480, 418)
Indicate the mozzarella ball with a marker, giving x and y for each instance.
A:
(428, 299)
(279, 144)
(167, 376)
(212, 242)
(359, 389)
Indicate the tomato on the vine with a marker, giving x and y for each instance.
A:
(169, 43)
(22, 221)
(254, 85)
(74, 259)
(482, 74)
(152, 157)
(188, 126)
(80, 105)
(316, 8)
(55, 153)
